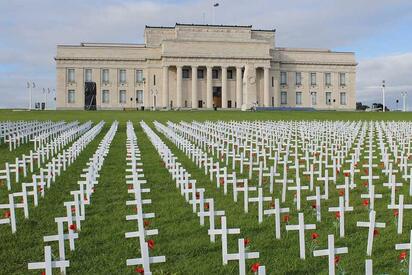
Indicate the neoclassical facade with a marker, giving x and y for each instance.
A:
(203, 66)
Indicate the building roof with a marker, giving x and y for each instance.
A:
(208, 25)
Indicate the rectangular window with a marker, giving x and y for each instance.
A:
(313, 79)
(200, 74)
(215, 74)
(328, 98)
(70, 96)
(273, 81)
(314, 98)
(105, 96)
(139, 76)
(229, 103)
(283, 78)
(154, 80)
(343, 99)
(139, 96)
(185, 73)
(88, 75)
(122, 96)
(122, 76)
(342, 79)
(70, 75)
(298, 78)
(298, 98)
(105, 75)
(328, 79)
(283, 98)
(230, 74)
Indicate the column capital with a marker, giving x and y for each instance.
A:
(179, 66)
(224, 66)
(209, 67)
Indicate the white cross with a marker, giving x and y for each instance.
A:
(410, 181)
(298, 188)
(12, 219)
(224, 231)
(317, 199)
(326, 179)
(371, 225)
(331, 251)
(211, 213)
(276, 211)
(260, 199)
(242, 256)
(401, 207)
(48, 263)
(301, 227)
(407, 246)
(341, 210)
(245, 189)
(368, 267)
(347, 188)
(145, 260)
(284, 181)
(371, 196)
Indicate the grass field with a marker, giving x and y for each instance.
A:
(103, 249)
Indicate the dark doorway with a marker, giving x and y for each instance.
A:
(90, 95)
(217, 97)
(200, 104)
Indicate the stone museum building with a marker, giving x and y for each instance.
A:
(191, 66)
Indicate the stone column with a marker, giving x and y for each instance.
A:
(166, 86)
(179, 86)
(209, 87)
(239, 87)
(224, 87)
(266, 96)
(194, 87)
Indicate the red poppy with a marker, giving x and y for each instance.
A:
(94, 189)
(7, 214)
(315, 236)
(139, 270)
(365, 183)
(375, 232)
(337, 259)
(337, 171)
(85, 198)
(302, 161)
(346, 174)
(39, 188)
(314, 205)
(246, 241)
(146, 223)
(189, 186)
(73, 209)
(222, 181)
(150, 244)
(73, 227)
(365, 202)
(286, 218)
(395, 213)
(356, 165)
(130, 187)
(207, 206)
(197, 195)
(341, 192)
(272, 205)
(366, 171)
(255, 267)
(43, 273)
(403, 255)
(337, 215)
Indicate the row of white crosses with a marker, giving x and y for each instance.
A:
(23, 134)
(135, 181)
(47, 136)
(43, 181)
(75, 210)
(195, 197)
(344, 202)
(40, 155)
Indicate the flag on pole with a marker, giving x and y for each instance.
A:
(216, 5)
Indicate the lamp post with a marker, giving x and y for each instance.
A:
(383, 96)
(404, 100)
(215, 5)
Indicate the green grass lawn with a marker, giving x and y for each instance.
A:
(103, 249)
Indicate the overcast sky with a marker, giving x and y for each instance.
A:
(378, 31)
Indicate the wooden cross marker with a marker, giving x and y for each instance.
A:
(341, 216)
(242, 256)
(224, 231)
(371, 196)
(317, 199)
(11, 219)
(211, 213)
(298, 188)
(407, 246)
(347, 187)
(331, 251)
(48, 263)
(401, 208)
(368, 267)
(260, 199)
(276, 211)
(371, 225)
(145, 260)
(301, 227)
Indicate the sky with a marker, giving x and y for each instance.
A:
(378, 31)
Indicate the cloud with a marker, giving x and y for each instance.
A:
(30, 30)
